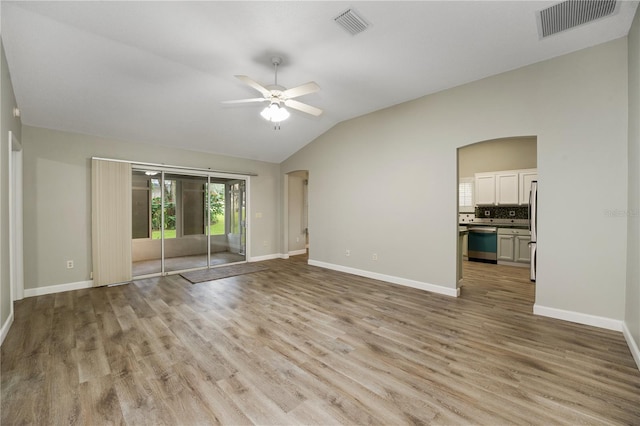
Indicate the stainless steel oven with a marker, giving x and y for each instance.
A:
(483, 244)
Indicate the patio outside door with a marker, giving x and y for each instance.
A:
(186, 221)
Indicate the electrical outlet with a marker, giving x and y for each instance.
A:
(69, 264)
(265, 243)
(297, 239)
(347, 253)
(374, 256)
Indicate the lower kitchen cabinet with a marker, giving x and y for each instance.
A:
(513, 246)
(523, 252)
(465, 246)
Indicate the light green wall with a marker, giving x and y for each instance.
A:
(57, 198)
(632, 311)
(385, 182)
(7, 123)
(496, 155)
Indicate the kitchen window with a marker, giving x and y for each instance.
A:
(465, 195)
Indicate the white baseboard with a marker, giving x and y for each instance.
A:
(5, 328)
(269, 257)
(578, 317)
(59, 288)
(297, 252)
(454, 292)
(518, 264)
(633, 345)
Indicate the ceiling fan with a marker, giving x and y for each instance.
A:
(279, 97)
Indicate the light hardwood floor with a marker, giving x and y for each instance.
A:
(297, 344)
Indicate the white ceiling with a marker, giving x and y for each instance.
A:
(156, 72)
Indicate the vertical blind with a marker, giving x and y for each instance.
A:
(111, 221)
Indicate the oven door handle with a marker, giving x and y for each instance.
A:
(484, 230)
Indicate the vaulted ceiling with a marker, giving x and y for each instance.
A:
(157, 72)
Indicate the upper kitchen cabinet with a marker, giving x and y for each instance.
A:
(485, 189)
(504, 188)
(507, 188)
(525, 179)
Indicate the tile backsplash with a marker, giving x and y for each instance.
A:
(496, 212)
(466, 217)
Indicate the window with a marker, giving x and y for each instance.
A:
(194, 206)
(185, 206)
(169, 208)
(140, 206)
(216, 208)
(465, 195)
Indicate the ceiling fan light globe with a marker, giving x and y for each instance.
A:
(281, 115)
(274, 113)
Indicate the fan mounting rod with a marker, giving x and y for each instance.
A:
(276, 60)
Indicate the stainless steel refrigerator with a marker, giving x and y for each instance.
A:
(533, 225)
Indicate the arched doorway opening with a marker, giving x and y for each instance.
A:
(494, 256)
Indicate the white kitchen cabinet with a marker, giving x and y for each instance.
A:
(506, 250)
(507, 185)
(522, 251)
(525, 178)
(504, 188)
(485, 189)
(513, 246)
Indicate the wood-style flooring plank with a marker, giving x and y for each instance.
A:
(297, 344)
(99, 403)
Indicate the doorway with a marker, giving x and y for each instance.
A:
(184, 221)
(496, 164)
(297, 212)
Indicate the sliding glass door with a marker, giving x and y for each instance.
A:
(146, 245)
(186, 221)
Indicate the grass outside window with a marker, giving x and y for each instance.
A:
(215, 229)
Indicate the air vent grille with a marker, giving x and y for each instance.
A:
(571, 13)
(350, 21)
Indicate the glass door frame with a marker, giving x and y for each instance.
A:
(211, 177)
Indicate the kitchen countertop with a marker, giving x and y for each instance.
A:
(496, 225)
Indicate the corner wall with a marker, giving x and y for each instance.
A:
(385, 183)
(632, 308)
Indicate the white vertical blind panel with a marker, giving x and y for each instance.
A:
(111, 222)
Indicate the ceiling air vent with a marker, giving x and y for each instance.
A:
(350, 21)
(571, 13)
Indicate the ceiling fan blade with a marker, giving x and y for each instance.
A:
(310, 87)
(303, 107)
(245, 101)
(249, 82)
